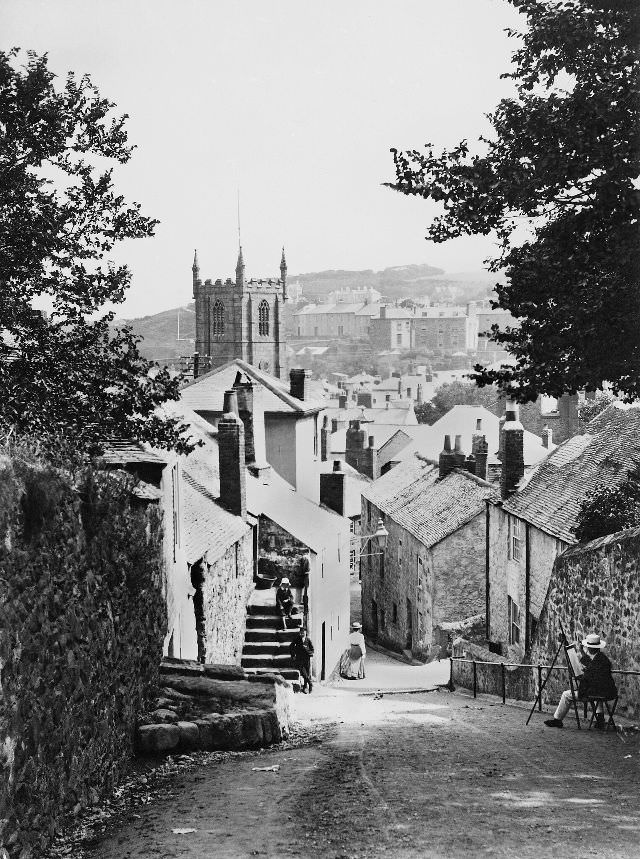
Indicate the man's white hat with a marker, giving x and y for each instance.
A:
(356, 625)
(284, 581)
(594, 640)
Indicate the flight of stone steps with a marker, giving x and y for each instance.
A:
(266, 644)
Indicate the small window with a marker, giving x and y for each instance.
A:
(513, 611)
(263, 318)
(352, 526)
(352, 559)
(515, 539)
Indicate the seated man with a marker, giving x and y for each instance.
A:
(284, 600)
(596, 682)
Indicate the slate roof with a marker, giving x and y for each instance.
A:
(552, 492)
(461, 420)
(125, 452)
(206, 393)
(208, 528)
(429, 508)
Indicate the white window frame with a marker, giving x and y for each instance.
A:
(513, 611)
(515, 539)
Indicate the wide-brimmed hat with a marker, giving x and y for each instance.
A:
(594, 640)
(356, 625)
(284, 581)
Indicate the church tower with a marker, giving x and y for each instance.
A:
(241, 319)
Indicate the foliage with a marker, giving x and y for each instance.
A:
(457, 394)
(82, 619)
(608, 509)
(60, 219)
(563, 162)
(589, 409)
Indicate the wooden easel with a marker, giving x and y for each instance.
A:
(569, 654)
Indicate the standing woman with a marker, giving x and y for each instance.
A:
(352, 660)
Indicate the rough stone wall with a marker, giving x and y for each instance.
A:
(459, 573)
(596, 588)
(225, 589)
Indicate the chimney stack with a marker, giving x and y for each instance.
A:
(325, 437)
(512, 451)
(458, 455)
(333, 489)
(470, 464)
(481, 455)
(233, 493)
(196, 364)
(419, 395)
(298, 379)
(447, 460)
(547, 437)
(342, 401)
(251, 413)
(372, 469)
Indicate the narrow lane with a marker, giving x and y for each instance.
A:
(406, 775)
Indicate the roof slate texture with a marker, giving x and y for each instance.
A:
(429, 508)
(206, 393)
(208, 528)
(552, 492)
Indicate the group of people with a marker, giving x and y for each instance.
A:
(596, 680)
(301, 648)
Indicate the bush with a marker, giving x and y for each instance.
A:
(608, 509)
(82, 620)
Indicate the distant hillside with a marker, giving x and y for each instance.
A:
(160, 330)
(402, 281)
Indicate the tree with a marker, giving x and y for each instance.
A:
(564, 160)
(608, 509)
(589, 409)
(70, 375)
(458, 394)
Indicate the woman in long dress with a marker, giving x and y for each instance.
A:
(352, 660)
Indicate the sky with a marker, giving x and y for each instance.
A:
(292, 105)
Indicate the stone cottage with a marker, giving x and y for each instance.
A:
(534, 520)
(432, 570)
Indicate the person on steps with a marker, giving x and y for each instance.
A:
(301, 649)
(596, 682)
(284, 600)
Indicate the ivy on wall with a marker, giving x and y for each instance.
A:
(82, 620)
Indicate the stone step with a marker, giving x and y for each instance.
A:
(263, 634)
(273, 661)
(270, 610)
(265, 648)
(272, 622)
(291, 674)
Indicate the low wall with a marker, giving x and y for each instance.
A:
(214, 708)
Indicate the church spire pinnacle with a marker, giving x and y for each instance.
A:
(240, 268)
(283, 275)
(195, 269)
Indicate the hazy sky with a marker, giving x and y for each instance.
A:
(296, 103)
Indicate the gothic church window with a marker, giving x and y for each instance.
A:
(263, 318)
(217, 318)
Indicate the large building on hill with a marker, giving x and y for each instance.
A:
(242, 319)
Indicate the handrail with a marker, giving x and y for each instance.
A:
(537, 665)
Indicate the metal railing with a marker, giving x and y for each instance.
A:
(539, 667)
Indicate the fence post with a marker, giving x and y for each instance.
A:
(539, 688)
(475, 679)
(504, 683)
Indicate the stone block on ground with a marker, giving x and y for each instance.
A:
(163, 715)
(189, 736)
(158, 738)
(224, 672)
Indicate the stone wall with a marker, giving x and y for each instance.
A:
(459, 573)
(596, 588)
(226, 587)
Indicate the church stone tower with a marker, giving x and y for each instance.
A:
(241, 319)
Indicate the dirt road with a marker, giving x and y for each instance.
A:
(405, 775)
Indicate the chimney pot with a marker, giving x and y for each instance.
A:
(547, 437)
(230, 405)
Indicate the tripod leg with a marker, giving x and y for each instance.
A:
(538, 698)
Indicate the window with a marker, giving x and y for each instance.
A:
(399, 339)
(340, 330)
(352, 559)
(399, 551)
(515, 539)
(395, 613)
(217, 318)
(514, 621)
(352, 526)
(263, 318)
